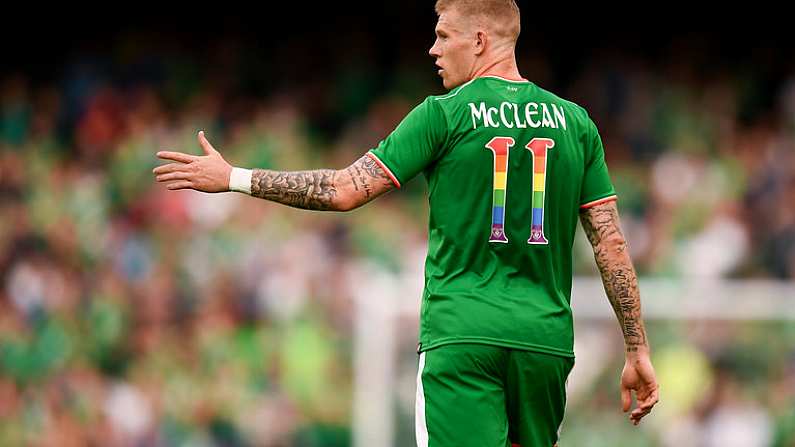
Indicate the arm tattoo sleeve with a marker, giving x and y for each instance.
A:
(368, 180)
(601, 225)
(323, 189)
(309, 190)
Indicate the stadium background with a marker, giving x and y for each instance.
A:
(131, 315)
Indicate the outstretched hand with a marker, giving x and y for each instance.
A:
(208, 173)
(638, 376)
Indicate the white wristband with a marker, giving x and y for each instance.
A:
(240, 180)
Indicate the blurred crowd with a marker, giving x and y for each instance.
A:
(131, 315)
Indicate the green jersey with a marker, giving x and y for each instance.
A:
(509, 165)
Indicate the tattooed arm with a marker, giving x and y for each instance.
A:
(618, 275)
(323, 189)
(601, 225)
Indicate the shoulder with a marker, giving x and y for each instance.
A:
(441, 106)
(573, 108)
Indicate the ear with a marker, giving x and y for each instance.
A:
(481, 39)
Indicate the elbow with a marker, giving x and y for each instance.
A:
(615, 243)
(345, 204)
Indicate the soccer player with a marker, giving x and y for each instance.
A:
(510, 167)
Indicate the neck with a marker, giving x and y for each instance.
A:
(503, 67)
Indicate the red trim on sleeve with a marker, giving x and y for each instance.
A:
(383, 166)
(599, 202)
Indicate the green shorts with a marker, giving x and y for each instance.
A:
(488, 396)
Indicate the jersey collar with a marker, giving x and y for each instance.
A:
(521, 81)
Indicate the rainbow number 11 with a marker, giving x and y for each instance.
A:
(500, 146)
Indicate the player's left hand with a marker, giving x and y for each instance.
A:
(638, 376)
(208, 173)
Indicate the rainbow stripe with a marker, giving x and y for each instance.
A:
(499, 147)
(539, 147)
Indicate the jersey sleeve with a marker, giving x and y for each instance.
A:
(414, 144)
(596, 185)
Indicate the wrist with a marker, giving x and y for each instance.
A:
(240, 180)
(637, 351)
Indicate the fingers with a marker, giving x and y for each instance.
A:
(652, 399)
(179, 171)
(648, 403)
(165, 169)
(626, 399)
(206, 146)
(176, 156)
(180, 185)
(172, 171)
(637, 415)
(179, 175)
(645, 405)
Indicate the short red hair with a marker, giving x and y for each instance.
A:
(503, 15)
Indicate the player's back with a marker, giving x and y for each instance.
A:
(510, 164)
